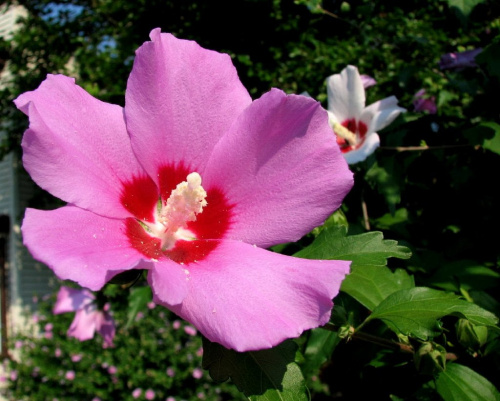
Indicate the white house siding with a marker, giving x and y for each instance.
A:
(26, 277)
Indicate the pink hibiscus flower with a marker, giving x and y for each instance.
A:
(190, 180)
(88, 319)
(422, 102)
(354, 124)
(459, 60)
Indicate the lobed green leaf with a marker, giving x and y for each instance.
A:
(416, 311)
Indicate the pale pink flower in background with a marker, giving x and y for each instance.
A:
(88, 319)
(49, 327)
(48, 335)
(112, 370)
(170, 372)
(70, 375)
(233, 176)
(197, 373)
(367, 81)
(137, 393)
(149, 394)
(13, 375)
(176, 324)
(151, 305)
(459, 60)
(170, 399)
(190, 330)
(57, 352)
(354, 124)
(422, 102)
(76, 357)
(18, 344)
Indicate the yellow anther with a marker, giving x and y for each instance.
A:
(344, 133)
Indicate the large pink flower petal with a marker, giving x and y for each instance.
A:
(77, 147)
(346, 94)
(84, 324)
(247, 298)
(169, 282)
(280, 169)
(72, 299)
(79, 245)
(180, 100)
(380, 114)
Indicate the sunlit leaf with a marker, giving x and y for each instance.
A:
(416, 311)
(370, 285)
(364, 249)
(460, 383)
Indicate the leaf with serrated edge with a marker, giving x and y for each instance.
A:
(363, 249)
(266, 375)
(416, 311)
(460, 383)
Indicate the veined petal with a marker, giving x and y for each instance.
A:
(280, 168)
(247, 298)
(380, 114)
(180, 100)
(79, 245)
(371, 143)
(72, 299)
(77, 147)
(169, 282)
(346, 94)
(84, 324)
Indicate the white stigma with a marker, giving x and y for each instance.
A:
(186, 201)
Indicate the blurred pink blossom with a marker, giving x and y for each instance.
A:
(76, 357)
(88, 319)
(149, 394)
(112, 370)
(57, 352)
(70, 375)
(190, 330)
(422, 102)
(459, 60)
(137, 393)
(197, 373)
(176, 324)
(170, 372)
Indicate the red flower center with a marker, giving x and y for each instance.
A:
(358, 128)
(142, 198)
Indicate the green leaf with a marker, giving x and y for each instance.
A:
(370, 285)
(319, 349)
(465, 274)
(137, 300)
(363, 249)
(416, 311)
(465, 6)
(266, 375)
(460, 383)
(384, 175)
